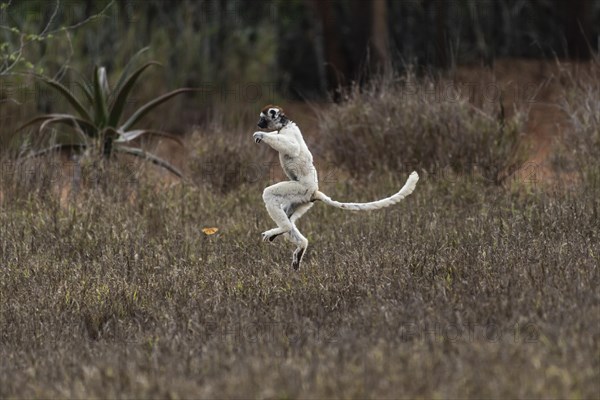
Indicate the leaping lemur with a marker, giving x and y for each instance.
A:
(287, 201)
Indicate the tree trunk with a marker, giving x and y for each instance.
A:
(381, 62)
(441, 42)
(578, 29)
(336, 66)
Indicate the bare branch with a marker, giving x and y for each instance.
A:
(65, 66)
(54, 13)
(14, 101)
(85, 21)
(17, 55)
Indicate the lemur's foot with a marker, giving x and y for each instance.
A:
(271, 234)
(269, 238)
(273, 237)
(297, 258)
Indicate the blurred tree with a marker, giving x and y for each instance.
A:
(441, 39)
(33, 22)
(356, 39)
(577, 28)
(336, 64)
(380, 42)
(304, 47)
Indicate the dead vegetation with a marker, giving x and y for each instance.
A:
(467, 289)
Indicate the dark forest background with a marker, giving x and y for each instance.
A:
(304, 47)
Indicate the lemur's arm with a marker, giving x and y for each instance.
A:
(278, 142)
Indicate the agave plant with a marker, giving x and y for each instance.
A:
(99, 126)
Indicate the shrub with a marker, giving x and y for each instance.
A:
(397, 123)
(225, 160)
(581, 103)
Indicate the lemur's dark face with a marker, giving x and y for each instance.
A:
(272, 118)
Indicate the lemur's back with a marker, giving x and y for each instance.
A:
(299, 168)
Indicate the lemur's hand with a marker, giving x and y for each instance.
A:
(258, 136)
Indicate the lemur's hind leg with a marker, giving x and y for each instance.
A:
(294, 213)
(289, 229)
(289, 210)
(302, 244)
(300, 211)
(282, 197)
(286, 201)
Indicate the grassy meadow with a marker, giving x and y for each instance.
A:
(482, 284)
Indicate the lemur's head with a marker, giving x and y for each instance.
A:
(272, 118)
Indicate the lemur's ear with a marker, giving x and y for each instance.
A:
(272, 111)
(267, 109)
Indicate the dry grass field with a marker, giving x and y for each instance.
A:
(482, 284)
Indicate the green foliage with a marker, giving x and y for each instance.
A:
(99, 125)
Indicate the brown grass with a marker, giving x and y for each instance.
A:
(464, 290)
(401, 123)
(581, 142)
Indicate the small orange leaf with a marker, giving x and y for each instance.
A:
(210, 231)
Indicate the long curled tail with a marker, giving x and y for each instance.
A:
(407, 189)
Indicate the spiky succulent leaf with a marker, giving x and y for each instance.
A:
(150, 157)
(128, 136)
(103, 82)
(85, 85)
(76, 123)
(146, 108)
(87, 91)
(121, 96)
(127, 69)
(66, 93)
(99, 99)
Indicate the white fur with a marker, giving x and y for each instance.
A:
(287, 201)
